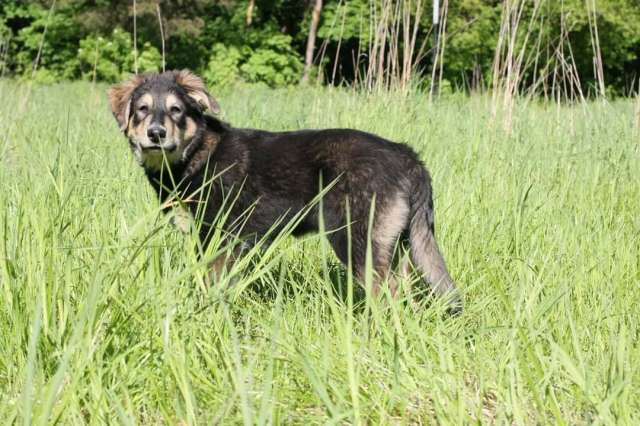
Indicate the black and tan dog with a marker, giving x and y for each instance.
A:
(168, 120)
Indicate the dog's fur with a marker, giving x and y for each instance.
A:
(275, 176)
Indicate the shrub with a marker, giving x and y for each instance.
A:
(223, 68)
(112, 58)
(274, 63)
(57, 50)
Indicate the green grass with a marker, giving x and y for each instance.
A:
(104, 317)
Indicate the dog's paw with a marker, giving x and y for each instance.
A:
(455, 304)
(182, 220)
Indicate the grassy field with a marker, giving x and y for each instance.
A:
(105, 318)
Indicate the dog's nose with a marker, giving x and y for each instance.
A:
(155, 132)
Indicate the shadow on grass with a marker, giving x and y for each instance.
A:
(337, 275)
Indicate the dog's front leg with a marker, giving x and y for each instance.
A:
(223, 263)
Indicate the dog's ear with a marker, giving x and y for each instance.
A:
(197, 90)
(120, 99)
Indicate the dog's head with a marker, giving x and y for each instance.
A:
(161, 114)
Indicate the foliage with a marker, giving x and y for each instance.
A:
(199, 33)
(223, 68)
(618, 25)
(112, 58)
(55, 51)
(346, 20)
(474, 27)
(261, 55)
(274, 63)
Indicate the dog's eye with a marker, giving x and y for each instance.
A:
(143, 108)
(175, 109)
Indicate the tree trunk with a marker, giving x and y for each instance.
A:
(250, 7)
(311, 41)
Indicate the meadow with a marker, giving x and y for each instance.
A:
(105, 315)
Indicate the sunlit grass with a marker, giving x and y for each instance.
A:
(105, 315)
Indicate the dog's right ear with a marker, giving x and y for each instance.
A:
(197, 90)
(120, 99)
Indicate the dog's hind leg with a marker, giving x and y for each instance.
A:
(390, 219)
(340, 243)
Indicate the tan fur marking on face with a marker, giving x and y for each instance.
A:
(170, 100)
(127, 128)
(146, 99)
(141, 128)
(119, 96)
(190, 131)
(139, 132)
(170, 126)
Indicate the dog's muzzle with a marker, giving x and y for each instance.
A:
(156, 134)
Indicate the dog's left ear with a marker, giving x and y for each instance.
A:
(197, 90)
(120, 99)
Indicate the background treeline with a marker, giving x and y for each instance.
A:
(569, 47)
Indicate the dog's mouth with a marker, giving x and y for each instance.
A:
(167, 147)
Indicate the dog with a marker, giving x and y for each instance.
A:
(376, 190)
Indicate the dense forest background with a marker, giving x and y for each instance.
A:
(573, 47)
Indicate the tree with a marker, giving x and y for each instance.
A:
(250, 7)
(311, 40)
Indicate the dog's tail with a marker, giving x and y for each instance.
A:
(424, 250)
